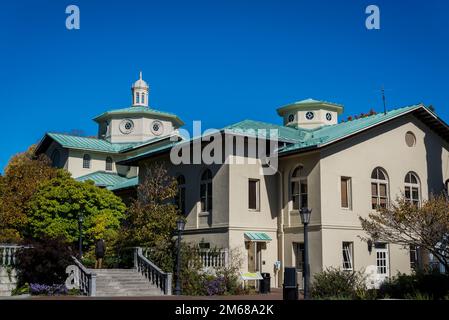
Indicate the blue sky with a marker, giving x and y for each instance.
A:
(216, 61)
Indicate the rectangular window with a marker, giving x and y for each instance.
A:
(253, 194)
(413, 257)
(345, 187)
(348, 263)
(298, 252)
(206, 197)
(299, 194)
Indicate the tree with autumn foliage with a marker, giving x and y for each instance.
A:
(425, 226)
(22, 177)
(151, 219)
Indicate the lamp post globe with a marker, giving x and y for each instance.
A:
(305, 214)
(180, 224)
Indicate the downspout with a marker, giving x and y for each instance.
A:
(281, 229)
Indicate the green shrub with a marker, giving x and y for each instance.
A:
(335, 283)
(416, 285)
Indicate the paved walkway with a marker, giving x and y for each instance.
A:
(275, 294)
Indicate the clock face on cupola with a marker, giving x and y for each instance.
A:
(310, 114)
(138, 122)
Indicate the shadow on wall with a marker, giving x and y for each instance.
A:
(434, 153)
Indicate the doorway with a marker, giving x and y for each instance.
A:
(382, 261)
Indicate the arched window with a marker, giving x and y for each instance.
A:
(206, 191)
(55, 158)
(298, 189)
(108, 164)
(86, 161)
(412, 188)
(137, 97)
(143, 98)
(379, 189)
(181, 195)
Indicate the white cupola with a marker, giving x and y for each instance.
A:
(310, 113)
(140, 91)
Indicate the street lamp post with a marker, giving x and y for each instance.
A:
(80, 238)
(305, 214)
(180, 224)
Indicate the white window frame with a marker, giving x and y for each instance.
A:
(348, 255)
(87, 161)
(348, 192)
(410, 186)
(378, 183)
(300, 180)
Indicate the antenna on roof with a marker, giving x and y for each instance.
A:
(383, 99)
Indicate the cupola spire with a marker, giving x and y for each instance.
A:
(140, 92)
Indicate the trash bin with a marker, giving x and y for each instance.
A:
(265, 283)
(290, 286)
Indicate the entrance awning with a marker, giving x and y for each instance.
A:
(257, 236)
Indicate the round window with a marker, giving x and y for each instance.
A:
(126, 126)
(328, 116)
(291, 118)
(157, 127)
(410, 139)
(309, 115)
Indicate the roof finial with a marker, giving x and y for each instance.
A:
(140, 75)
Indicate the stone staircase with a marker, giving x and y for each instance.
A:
(123, 282)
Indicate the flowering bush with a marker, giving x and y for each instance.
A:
(43, 289)
(215, 286)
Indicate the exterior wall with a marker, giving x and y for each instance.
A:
(291, 226)
(196, 220)
(242, 219)
(97, 163)
(318, 120)
(141, 132)
(356, 158)
(63, 154)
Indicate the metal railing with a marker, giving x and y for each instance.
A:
(155, 275)
(8, 254)
(87, 279)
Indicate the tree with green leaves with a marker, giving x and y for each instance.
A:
(56, 206)
(22, 177)
(403, 223)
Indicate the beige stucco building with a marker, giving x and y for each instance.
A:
(340, 170)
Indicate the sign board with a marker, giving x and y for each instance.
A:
(251, 276)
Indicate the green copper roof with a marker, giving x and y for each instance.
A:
(94, 144)
(257, 236)
(298, 138)
(132, 182)
(163, 148)
(327, 134)
(110, 180)
(249, 127)
(139, 111)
